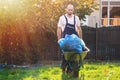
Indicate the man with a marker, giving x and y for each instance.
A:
(68, 20)
(68, 24)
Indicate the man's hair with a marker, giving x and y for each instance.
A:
(69, 4)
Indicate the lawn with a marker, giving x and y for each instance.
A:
(98, 70)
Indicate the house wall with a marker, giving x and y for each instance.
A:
(93, 18)
(96, 17)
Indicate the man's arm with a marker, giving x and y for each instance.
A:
(59, 33)
(79, 31)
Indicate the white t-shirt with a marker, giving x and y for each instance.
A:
(62, 21)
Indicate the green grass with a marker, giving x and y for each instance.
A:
(91, 71)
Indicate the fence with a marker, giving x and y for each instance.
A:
(104, 42)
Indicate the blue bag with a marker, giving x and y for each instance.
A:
(71, 43)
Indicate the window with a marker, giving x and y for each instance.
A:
(110, 15)
(104, 16)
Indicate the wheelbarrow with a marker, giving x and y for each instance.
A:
(77, 61)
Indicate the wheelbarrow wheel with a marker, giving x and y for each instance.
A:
(76, 74)
(75, 67)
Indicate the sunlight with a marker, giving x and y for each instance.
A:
(5, 7)
(12, 7)
(9, 5)
(53, 0)
(11, 1)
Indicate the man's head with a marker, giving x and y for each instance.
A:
(70, 9)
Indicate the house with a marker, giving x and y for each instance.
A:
(107, 15)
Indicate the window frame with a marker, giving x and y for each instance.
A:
(109, 5)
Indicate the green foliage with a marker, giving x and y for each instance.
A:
(91, 71)
(28, 27)
(86, 7)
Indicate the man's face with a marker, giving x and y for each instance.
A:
(70, 9)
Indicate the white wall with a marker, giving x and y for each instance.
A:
(93, 19)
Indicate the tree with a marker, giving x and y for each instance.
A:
(28, 27)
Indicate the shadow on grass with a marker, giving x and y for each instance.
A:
(70, 77)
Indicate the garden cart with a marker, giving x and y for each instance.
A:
(75, 61)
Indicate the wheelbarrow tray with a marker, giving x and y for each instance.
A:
(75, 56)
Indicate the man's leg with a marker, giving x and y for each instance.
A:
(69, 66)
(64, 64)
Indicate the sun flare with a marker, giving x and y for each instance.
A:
(12, 7)
(10, 1)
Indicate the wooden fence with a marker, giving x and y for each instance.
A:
(104, 42)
